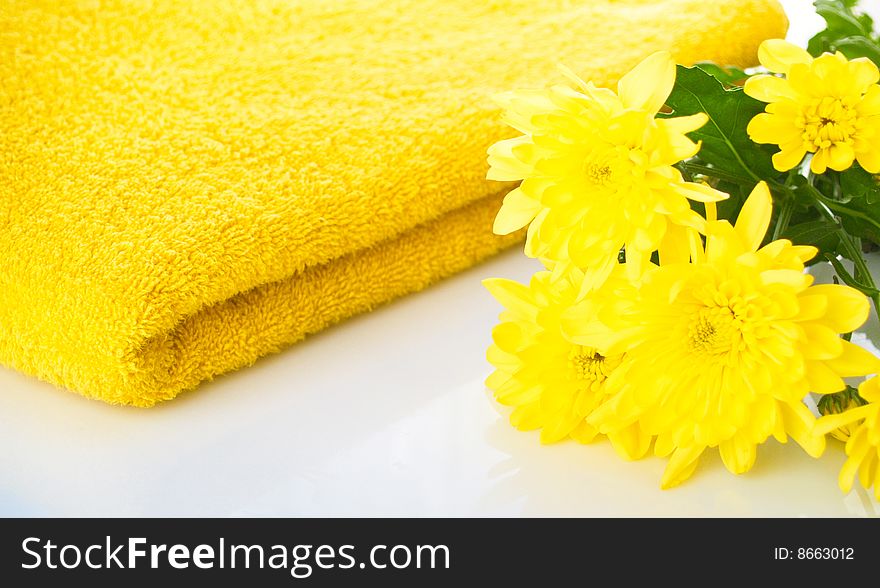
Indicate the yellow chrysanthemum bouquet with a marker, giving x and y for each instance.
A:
(675, 218)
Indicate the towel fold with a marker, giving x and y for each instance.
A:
(186, 186)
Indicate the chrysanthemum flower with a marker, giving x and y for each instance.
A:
(863, 446)
(597, 170)
(552, 383)
(828, 106)
(720, 350)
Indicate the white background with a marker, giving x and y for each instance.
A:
(385, 414)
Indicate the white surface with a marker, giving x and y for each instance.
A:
(383, 415)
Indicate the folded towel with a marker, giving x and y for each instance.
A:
(186, 186)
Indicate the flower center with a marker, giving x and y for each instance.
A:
(599, 174)
(588, 366)
(713, 331)
(828, 121)
(612, 166)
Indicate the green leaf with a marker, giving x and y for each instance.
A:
(730, 207)
(820, 43)
(842, 19)
(854, 47)
(857, 183)
(726, 144)
(846, 30)
(860, 219)
(856, 202)
(822, 234)
(728, 75)
(847, 278)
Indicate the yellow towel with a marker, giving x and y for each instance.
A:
(188, 185)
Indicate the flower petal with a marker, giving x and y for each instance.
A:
(857, 449)
(870, 104)
(516, 393)
(527, 417)
(868, 471)
(738, 454)
(822, 379)
(870, 159)
(681, 466)
(503, 164)
(502, 359)
(863, 73)
(630, 442)
(778, 55)
(822, 342)
(497, 379)
(675, 246)
(799, 424)
(789, 158)
(819, 163)
(754, 218)
(854, 361)
(520, 105)
(673, 146)
(699, 192)
(512, 295)
(684, 124)
(557, 427)
(841, 156)
(533, 246)
(812, 306)
(769, 88)
(828, 423)
(509, 336)
(517, 211)
(773, 129)
(648, 85)
(870, 391)
(848, 308)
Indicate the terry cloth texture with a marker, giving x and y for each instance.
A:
(188, 185)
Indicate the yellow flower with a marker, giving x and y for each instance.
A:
(721, 349)
(863, 446)
(827, 106)
(596, 170)
(552, 383)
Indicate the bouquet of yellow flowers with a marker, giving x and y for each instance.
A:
(676, 218)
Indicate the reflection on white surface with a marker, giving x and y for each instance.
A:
(383, 415)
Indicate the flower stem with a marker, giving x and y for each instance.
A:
(784, 216)
(705, 170)
(863, 280)
(863, 275)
